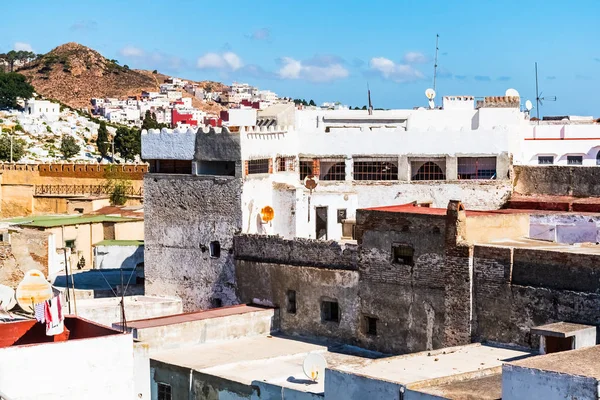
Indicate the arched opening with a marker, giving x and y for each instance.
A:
(335, 171)
(429, 171)
(598, 158)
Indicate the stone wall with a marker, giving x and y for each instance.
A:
(184, 214)
(28, 249)
(514, 290)
(557, 180)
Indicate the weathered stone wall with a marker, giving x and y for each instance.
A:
(516, 289)
(28, 250)
(183, 215)
(557, 180)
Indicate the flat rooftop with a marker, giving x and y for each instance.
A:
(480, 388)
(272, 359)
(193, 316)
(420, 367)
(582, 362)
(415, 209)
(526, 243)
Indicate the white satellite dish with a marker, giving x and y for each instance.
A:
(512, 93)
(528, 105)
(430, 93)
(7, 298)
(314, 366)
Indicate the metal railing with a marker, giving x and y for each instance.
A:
(83, 190)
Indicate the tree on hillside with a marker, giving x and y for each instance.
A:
(12, 87)
(102, 140)
(312, 103)
(69, 147)
(151, 123)
(18, 148)
(13, 56)
(128, 142)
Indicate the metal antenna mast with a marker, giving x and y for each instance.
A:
(538, 98)
(435, 64)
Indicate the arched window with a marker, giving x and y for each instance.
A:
(598, 158)
(429, 171)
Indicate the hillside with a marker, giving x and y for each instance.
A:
(73, 74)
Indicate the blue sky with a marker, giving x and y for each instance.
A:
(329, 50)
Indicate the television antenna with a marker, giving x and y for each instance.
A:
(314, 366)
(435, 64)
(538, 96)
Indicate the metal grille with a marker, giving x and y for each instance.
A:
(476, 167)
(164, 391)
(306, 168)
(286, 164)
(258, 166)
(545, 160)
(403, 254)
(376, 169)
(574, 160)
(428, 170)
(83, 190)
(332, 170)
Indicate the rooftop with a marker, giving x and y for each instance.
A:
(478, 388)
(122, 211)
(561, 329)
(120, 243)
(526, 243)
(273, 359)
(51, 221)
(416, 209)
(582, 362)
(419, 367)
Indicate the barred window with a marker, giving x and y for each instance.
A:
(258, 166)
(376, 169)
(306, 169)
(164, 391)
(574, 160)
(428, 170)
(476, 167)
(332, 170)
(286, 164)
(403, 254)
(545, 160)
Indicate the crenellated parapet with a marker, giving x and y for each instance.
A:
(267, 129)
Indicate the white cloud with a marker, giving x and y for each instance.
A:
(20, 46)
(294, 69)
(131, 51)
(415, 57)
(400, 73)
(227, 61)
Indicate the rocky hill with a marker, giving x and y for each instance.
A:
(73, 74)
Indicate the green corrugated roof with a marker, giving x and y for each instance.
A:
(51, 221)
(120, 243)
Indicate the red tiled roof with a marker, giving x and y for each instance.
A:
(414, 209)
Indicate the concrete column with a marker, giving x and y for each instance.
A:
(451, 168)
(349, 169)
(403, 169)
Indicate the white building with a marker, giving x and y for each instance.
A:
(42, 109)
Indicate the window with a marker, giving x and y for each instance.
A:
(171, 166)
(476, 167)
(70, 244)
(258, 166)
(371, 326)
(215, 249)
(330, 311)
(286, 164)
(545, 160)
(376, 169)
(332, 170)
(291, 301)
(164, 391)
(574, 160)
(306, 168)
(598, 158)
(403, 254)
(341, 215)
(79, 210)
(428, 170)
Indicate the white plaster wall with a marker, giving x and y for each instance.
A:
(114, 257)
(340, 385)
(92, 369)
(242, 117)
(565, 228)
(534, 384)
(141, 370)
(168, 144)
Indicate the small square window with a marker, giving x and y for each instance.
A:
(371, 326)
(291, 301)
(574, 160)
(70, 244)
(341, 215)
(403, 254)
(164, 391)
(330, 311)
(545, 160)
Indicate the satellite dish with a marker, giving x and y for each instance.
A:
(528, 105)
(431, 104)
(7, 298)
(311, 182)
(267, 213)
(33, 289)
(430, 93)
(314, 366)
(512, 93)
